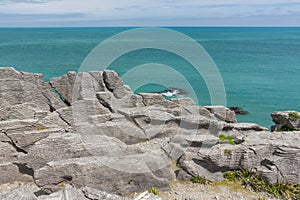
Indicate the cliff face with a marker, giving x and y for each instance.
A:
(94, 131)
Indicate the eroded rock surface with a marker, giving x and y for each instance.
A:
(286, 121)
(94, 131)
(274, 157)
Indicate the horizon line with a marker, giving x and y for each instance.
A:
(181, 26)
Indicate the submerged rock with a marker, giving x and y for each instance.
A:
(239, 111)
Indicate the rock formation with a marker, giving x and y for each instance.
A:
(286, 121)
(89, 130)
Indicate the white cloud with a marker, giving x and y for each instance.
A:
(93, 10)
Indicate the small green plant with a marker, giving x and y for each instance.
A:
(201, 180)
(225, 138)
(231, 175)
(294, 115)
(154, 191)
(227, 152)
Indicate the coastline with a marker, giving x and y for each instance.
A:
(261, 78)
(101, 135)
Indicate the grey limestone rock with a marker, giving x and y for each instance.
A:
(64, 85)
(185, 102)
(92, 193)
(87, 193)
(150, 99)
(7, 152)
(67, 193)
(11, 172)
(245, 127)
(89, 160)
(112, 80)
(274, 157)
(286, 120)
(19, 191)
(60, 146)
(25, 139)
(23, 95)
(97, 133)
(223, 113)
(99, 173)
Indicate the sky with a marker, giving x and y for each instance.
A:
(85, 13)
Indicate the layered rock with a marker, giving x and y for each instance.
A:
(94, 131)
(72, 128)
(25, 95)
(286, 121)
(99, 173)
(86, 193)
(223, 113)
(27, 115)
(27, 192)
(19, 191)
(274, 157)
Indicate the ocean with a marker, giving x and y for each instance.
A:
(259, 66)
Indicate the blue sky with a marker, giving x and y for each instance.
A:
(37, 13)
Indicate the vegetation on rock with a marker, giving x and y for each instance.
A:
(226, 138)
(227, 152)
(294, 115)
(153, 190)
(286, 129)
(201, 180)
(258, 184)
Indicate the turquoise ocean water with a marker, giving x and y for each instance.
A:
(260, 66)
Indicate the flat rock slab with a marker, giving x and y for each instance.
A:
(11, 172)
(19, 191)
(94, 172)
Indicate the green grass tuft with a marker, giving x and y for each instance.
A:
(294, 115)
(231, 175)
(201, 180)
(154, 191)
(225, 138)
